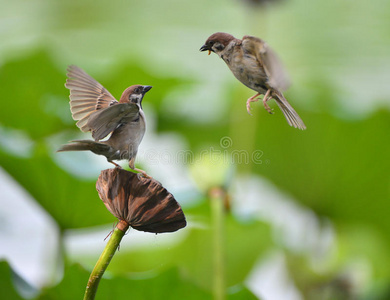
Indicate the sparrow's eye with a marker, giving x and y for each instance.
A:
(137, 90)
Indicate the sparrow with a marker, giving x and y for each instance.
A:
(254, 63)
(97, 111)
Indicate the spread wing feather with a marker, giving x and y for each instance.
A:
(86, 96)
(277, 76)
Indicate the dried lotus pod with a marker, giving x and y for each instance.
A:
(141, 202)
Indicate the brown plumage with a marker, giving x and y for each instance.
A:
(97, 111)
(254, 64)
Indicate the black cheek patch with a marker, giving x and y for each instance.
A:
(134, 100)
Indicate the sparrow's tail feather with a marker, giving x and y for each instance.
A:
(86, 145)
(291, 115)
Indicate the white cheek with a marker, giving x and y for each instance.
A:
(135, 98)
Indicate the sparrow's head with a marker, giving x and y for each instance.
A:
(134, 94)
(217, 42)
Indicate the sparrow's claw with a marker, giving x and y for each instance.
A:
(248, 103)
(248, 108)
(269, 109)
(116, 165)
(143, 173)
(267, 96)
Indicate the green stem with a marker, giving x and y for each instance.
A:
(217, 203)
(105, 259)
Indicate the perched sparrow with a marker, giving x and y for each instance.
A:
(254, 64)
(99, 112)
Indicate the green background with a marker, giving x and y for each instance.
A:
(317, 201)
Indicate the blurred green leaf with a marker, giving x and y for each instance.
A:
(73, 203)
(7, 288)
(27, 85)
(244, 244)
(365, 245)
(193, 255)
(72, 285)
(338, 168)
(168, 285)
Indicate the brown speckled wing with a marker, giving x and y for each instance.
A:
(86, 96)
(142, 202)
(277, 76)
(104, 121)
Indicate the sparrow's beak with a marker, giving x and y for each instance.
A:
(204, 48)
(146, 88)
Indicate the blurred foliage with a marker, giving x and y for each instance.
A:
(338, 168)
(8, 290)
(168, 284)
(197, 242)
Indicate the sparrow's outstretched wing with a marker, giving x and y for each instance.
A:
(277, 76)
(86, 96)
(104, 121)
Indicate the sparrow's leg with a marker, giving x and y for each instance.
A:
(248, 102)
(142, 172)
(116, 165)
(131, 165)
(267, 96)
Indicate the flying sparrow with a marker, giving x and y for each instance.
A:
(254, 64)
(99, 112)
